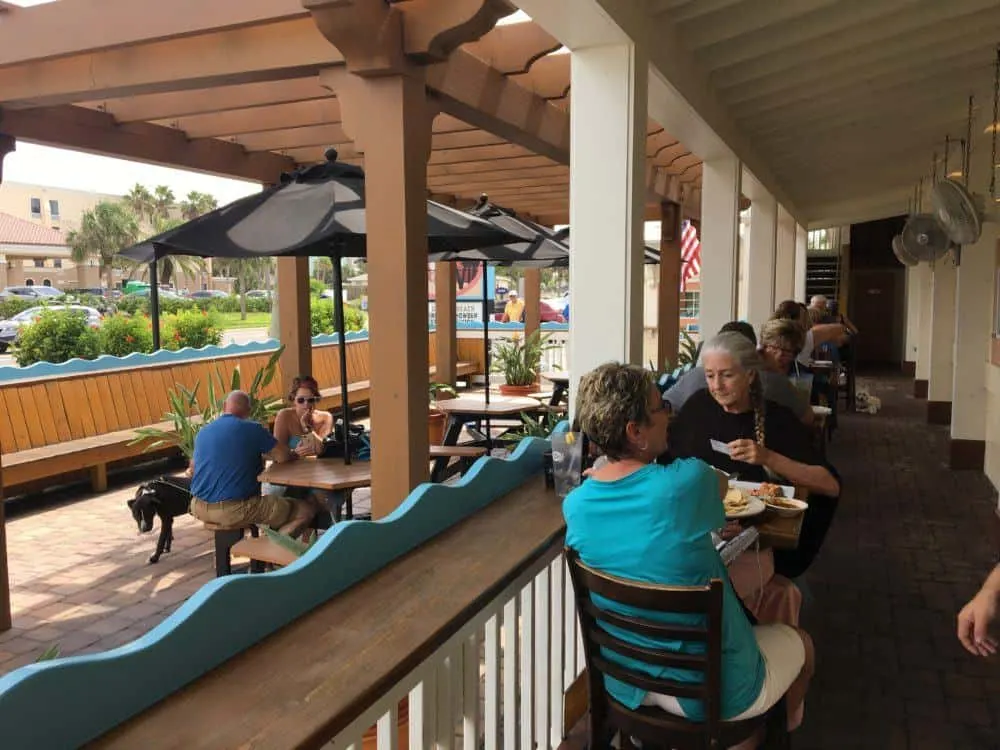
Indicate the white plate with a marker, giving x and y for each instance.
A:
(822, 411)
(800, 507)
(754, 508)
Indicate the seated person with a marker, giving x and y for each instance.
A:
(641, 521)
(767, 442)
(780, 342)
(815, 336)
(228, 456)
(300, 426)
(777, 387)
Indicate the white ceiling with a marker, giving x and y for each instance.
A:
(843, 98)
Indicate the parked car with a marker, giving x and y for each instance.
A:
(258, 294)
(9, 328)
(549, 314)
(208, 294)
(163, 294)
(32, 292)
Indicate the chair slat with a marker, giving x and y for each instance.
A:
(697, 690)
(682, 600)
(642, 626)
(656, 657)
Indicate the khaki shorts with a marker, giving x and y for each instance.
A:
(266, 510)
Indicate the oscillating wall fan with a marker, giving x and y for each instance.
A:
(924, 239)
(900, 252)
(960, 212)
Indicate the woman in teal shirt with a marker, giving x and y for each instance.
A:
(641, 521)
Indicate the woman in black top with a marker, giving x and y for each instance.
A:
(765, 440)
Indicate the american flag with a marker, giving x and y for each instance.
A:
(690, 253)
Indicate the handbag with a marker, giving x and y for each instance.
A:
(333, 444)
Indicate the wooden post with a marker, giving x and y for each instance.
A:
(7, 145)
(446, 345)
(668, 309)
(294, 326)
(532, 300)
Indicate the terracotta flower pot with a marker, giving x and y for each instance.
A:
(435, 427)
(517, 390)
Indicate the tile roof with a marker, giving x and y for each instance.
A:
(15, 231)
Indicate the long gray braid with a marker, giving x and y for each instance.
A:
(759, 408)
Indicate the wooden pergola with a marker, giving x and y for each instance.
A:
(431, 98)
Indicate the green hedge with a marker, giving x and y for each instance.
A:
(56, 336)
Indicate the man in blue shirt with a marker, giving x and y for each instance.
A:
(228, 456)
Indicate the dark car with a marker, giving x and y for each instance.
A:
(208, 294)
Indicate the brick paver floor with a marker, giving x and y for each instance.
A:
(79, 576)
(911, 543)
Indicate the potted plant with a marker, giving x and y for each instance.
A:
(519, 360)
(436, 418)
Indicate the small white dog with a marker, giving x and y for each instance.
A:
(864, 401)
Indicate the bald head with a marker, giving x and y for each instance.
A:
(818, 302)
(238, 404)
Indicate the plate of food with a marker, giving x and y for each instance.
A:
(740, 504)
(764, 490)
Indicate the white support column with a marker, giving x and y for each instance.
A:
(925, 282)
(607, 197)
(800, 263)
(761, 258)
(939, 388)
(784, 259)
(915, 281)
(720, 218)
(973, 327)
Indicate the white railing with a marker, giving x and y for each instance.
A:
(497, 683)
(556, 358)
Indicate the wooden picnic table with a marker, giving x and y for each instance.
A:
(329, 474)
(560, 382)
(474, 408)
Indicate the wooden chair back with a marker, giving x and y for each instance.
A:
(653, 725)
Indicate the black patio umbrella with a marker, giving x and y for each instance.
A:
(315, 211)
(651, 256)
(536, 246)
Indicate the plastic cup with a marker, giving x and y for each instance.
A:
(567, 461)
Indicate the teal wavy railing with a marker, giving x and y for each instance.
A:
(67, 702)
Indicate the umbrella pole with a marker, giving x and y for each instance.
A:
(154, 304)
(486, 357)
(338, 324)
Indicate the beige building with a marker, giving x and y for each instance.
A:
(35, 255)
(58, 208)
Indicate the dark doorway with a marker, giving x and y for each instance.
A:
(878, 308)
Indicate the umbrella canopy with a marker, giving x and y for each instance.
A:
(651, 256)
(532, 244)
(314, 211)
(317, 210)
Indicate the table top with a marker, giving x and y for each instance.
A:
(499, 405)
(557, 377)
(334, 660)
(319, 473)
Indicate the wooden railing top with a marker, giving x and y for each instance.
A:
(304, 684)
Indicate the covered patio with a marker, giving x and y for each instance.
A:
(594, 113)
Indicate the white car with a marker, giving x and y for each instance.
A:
(10, 327)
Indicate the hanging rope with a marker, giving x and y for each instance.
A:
(968, 145)
(947, 148)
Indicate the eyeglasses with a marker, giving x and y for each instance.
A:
(307, 399)
(781, 350)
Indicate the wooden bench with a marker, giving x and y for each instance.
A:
(75, 426)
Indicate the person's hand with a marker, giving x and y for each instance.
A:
(748, 452)
(730, 530)
(307, 422)
(974, 622)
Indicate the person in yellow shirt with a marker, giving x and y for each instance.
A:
(514, 310)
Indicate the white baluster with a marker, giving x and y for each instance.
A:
(472, 723)
(510, 644)
(570, 631)
(527, 667)
(492, 697)
(542, 628)
(444, 720)
(557, 652)
(388, 729)
(422, 712)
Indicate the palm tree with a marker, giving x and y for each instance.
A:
(197, 204)
(248, 273)
(140, 200)
(163, 201)
(104, 230)
(323, 270)
(172, 266)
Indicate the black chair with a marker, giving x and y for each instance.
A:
(651, 725)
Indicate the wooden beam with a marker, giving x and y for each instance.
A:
(668, 290)
(446, 354)
(285, 49)
(96, 132)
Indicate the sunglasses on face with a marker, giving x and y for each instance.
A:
(307, 399)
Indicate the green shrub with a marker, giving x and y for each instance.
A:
(193, 328)
(132, 304)
(12, 306)
(316, 287)
(321, 317)
(174, 305)
(57, 336)
(122, 334)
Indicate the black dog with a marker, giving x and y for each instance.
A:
(166, 497)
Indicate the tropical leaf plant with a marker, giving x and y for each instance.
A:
(187, 416)
(52, 652)
(520, 359)
(532, 426)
